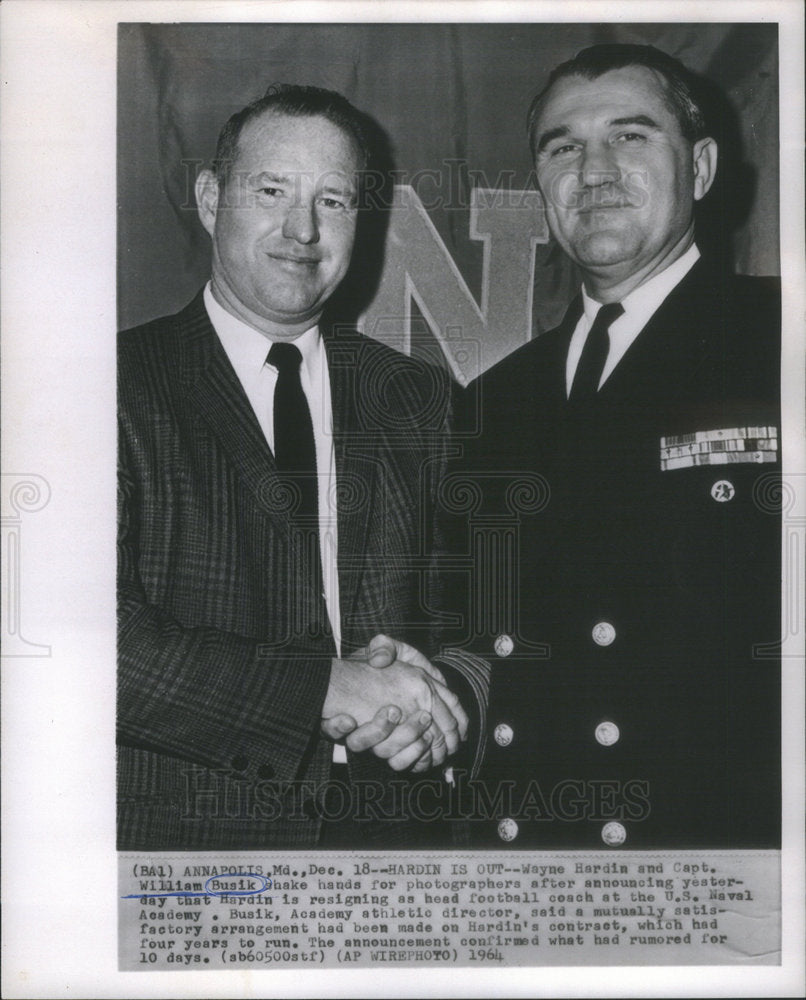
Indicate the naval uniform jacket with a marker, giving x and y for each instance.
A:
(224, 643)
(629, 596)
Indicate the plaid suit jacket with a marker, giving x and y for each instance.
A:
(224, 650)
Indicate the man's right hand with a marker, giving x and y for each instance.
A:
(403, 745)
(359, 691)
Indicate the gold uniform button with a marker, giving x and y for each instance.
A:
(507, 829)
(607, 733)
(603, 633)
(503, 645)
(613, 834)
(503, 735)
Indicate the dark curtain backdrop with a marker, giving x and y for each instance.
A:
(451, 100)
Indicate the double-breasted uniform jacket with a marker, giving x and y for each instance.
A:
(627, 583)
(224, 643)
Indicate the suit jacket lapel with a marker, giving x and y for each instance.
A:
(220, 403)
(357, 459)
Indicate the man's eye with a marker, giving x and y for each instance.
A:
(333, 203)
(564, 150)
(271, 192)
(631, 137)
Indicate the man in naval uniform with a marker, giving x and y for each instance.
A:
(635, 690)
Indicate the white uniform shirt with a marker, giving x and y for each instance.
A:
(639, 307)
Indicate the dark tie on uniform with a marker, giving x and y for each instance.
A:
(295, 448)
(594, 355)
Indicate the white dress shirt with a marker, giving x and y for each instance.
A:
(639, 307)
(247, 349)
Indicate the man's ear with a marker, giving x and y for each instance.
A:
(704, 154)
(207, 199)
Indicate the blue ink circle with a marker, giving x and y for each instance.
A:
(237, 892)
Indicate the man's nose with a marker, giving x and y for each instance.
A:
(598, 166)
(300, 223)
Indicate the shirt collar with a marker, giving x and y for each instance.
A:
(642, 301)
(247, 347)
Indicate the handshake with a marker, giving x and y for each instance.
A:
(388, 698)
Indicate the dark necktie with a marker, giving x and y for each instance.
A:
(295, 449)
(594, 355)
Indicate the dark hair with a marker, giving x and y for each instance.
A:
(593, 62)
(296, 102)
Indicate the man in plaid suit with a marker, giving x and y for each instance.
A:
(242, 624)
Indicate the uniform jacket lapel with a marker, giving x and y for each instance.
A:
(555, 365)
(673, 345)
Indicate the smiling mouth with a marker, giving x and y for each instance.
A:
(604, 207)
(291, 259)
